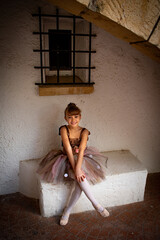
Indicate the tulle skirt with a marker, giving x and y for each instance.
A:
(55, 167)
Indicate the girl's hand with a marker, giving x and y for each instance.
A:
(80, 176)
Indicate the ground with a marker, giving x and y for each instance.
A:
(20, 219)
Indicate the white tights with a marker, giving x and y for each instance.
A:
(79, 187)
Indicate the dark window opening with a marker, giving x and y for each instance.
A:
(60, 49)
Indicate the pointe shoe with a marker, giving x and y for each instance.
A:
(102, 211)
(64, 219)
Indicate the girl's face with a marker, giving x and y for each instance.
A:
(73, 120)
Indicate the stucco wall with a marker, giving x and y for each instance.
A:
(122, 113)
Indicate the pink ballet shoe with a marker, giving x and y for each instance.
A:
(64, 219)
(102, 211)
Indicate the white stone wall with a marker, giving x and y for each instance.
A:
(122, 113)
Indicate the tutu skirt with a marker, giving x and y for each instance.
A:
(55, 167)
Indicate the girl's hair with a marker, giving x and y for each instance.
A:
(72, 109)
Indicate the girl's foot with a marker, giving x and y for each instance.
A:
(102, 211)
(64, 219)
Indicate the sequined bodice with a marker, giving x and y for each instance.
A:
(74, 142)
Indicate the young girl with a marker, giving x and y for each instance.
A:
(76, 162)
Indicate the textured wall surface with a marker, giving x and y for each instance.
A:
(122, 113)
(139, 16)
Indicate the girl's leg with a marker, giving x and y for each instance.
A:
(74, 198)
(79, 187)
(85, 187)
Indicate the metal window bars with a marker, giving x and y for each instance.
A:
(57, 16)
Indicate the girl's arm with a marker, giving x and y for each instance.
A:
(78, 172)
(67, 146)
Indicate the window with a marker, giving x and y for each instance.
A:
(65, 52)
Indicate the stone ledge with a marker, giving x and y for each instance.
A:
(124, 184)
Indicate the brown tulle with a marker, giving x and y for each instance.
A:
(55, 166)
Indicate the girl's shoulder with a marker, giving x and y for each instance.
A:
(63, 127)
(85, 131)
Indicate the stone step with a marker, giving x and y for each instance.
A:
(125, 183)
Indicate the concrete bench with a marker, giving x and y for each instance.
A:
(125, 183)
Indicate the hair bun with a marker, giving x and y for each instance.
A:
(72, 109)
(71, 105)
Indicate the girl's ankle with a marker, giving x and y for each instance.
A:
(66, 212)
(98, 207)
